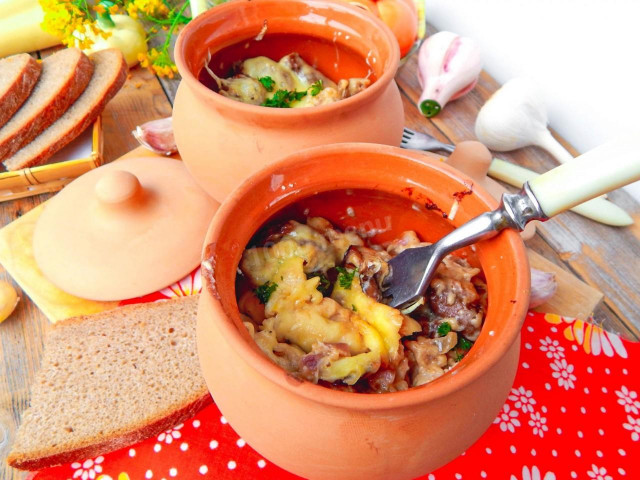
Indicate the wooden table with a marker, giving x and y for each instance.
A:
(604, 257)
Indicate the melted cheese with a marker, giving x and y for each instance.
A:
(299, 316)
(386, 320)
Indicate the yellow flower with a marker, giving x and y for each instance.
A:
(152, 8)
(158, 63)
(69, 23)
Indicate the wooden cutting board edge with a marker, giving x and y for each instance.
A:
(573, 298)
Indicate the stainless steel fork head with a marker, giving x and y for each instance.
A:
(421, 141)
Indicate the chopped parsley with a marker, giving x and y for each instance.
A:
(459, 357)
(324, 286)
(353, 307)
(267, 82)
(283, 99)
(315, 88)
(345, 277)
(298, 95)
(443, 329)
(263, 292)
(464, 344)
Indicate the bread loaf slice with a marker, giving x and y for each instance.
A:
(18, 75)
(65, 74)
(108, 77)
(109, 380)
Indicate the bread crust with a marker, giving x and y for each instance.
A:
(114, 442)
(50, 112)
(164, 419)
(47, 150)
(16, 93)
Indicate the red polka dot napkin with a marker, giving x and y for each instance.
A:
(573, 413)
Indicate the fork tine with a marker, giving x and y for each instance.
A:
(408, 132)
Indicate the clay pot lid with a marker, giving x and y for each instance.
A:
(123, 230)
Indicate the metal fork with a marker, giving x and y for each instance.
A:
(591, 174)
(423, 141)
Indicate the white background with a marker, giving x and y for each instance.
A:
(583, 54)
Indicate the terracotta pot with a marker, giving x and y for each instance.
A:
(223, 141)
(321, 433)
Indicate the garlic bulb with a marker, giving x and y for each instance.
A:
(514, 117)
(448, 68)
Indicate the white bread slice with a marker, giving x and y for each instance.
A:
(109, 380)
(18, 75)
(65, 74)
(108, 77)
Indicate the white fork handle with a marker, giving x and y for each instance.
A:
(598, 171)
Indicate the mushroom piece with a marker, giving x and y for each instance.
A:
(372, 267)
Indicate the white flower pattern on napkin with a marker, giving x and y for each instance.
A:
(507, 419)
(552, 348)
(538, 423)
(87, 469)
(633, 425)
(523, 399)
(599, 473)
(628, 399)
(563, 372)
(170, 435)
(534, 474)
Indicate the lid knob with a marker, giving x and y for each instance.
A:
(473, 158)
(117, 187)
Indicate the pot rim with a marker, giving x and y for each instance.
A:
(448, 383)
(293, 114)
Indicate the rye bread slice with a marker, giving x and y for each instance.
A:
(109, 75)
(65, 74)
(18, 75)
(109, 380)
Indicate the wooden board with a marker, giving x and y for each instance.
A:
(573, 298)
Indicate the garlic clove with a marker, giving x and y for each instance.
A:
(8, 300)
(543, 287)
(448, 67)
(157, 136)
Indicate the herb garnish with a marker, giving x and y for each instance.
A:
(283, 98)
(443, 329)
(324, 286)
(345, 277)
(353, 307)
(263, 292)
(464, 344)
(315, 88)
(267, 82)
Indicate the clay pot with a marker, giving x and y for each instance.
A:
(223, 141)
(320, 433)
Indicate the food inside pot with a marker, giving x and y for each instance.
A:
(311, 297)
(270, 77)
